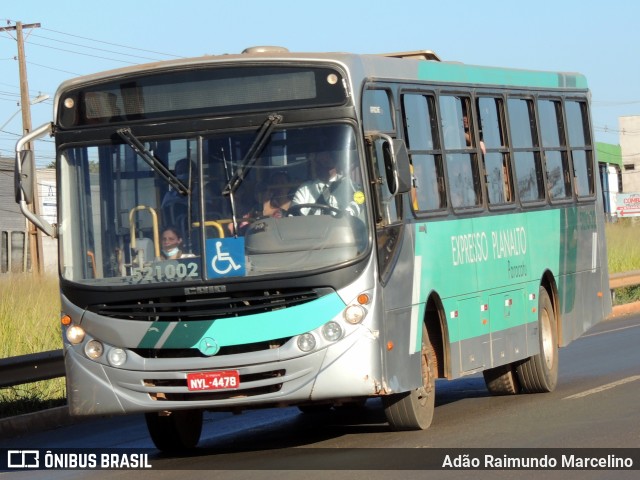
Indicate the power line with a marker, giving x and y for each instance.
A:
(93, 48)
(55, 69)
(113, 44)
(81, 53)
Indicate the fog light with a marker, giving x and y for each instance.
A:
(354, 314)
(306, 342)
(117, 357)
(332, 331)
(75, 334)
(93, 349)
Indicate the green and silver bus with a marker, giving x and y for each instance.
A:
(460, 231)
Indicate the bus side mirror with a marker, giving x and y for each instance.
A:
(402, 166)
(396, 165)
(23, 176)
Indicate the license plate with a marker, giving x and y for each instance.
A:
(213, 380)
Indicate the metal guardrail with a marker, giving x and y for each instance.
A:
(626, 279)
(47, 365)
(31, 368)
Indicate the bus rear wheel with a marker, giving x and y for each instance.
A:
(413, 410)
(177, 431)
(539, 373)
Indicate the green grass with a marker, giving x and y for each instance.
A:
(30, 312)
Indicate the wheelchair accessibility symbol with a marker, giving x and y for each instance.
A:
(225, 257)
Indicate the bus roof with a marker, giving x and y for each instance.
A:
(418, 66)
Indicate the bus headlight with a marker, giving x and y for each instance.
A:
(75, 334)
(332, 331)
(354, 314)
(93, 349)
(117, 357)
(306, 342)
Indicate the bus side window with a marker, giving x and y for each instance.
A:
(421, 133)
(496, 155)
(555, 152)
(377, 111)
(460, 151)
(581, 149)
(524, 140)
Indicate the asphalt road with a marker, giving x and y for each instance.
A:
(594, 406)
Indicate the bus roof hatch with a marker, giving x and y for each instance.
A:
(415, 55)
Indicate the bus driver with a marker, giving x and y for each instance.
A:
(327, 189)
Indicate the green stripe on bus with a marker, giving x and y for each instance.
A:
(261, 327)
(153, 334)
(470, 74)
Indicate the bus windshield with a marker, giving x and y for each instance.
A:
(298, 204)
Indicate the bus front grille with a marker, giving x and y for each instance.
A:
(207, 307)
(195, 353)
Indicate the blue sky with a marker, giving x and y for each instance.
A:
(79, 37)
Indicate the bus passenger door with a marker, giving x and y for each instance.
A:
(401, 327)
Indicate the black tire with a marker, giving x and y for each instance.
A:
(178, 431)
(539, 373)
(413, 410)
(502, 380)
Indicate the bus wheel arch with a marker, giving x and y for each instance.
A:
(414, 410)
(435, 323)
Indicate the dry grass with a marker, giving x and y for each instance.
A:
(623, 252)
(623, 247)
(29, 323)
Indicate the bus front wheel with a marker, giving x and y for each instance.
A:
(539, 373)
(413, 410)
(178, 431)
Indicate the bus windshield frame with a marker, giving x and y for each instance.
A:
(116, 205)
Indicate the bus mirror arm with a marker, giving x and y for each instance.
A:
(24, 176)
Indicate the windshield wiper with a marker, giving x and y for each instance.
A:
(252, 154)
(127, 135)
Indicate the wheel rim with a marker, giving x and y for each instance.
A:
(546, 339)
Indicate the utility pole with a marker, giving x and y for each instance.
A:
(35, 240)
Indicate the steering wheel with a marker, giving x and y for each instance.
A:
(296, 210)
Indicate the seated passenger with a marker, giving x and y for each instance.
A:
(273, 202)
(171, 242)
(277, 199)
